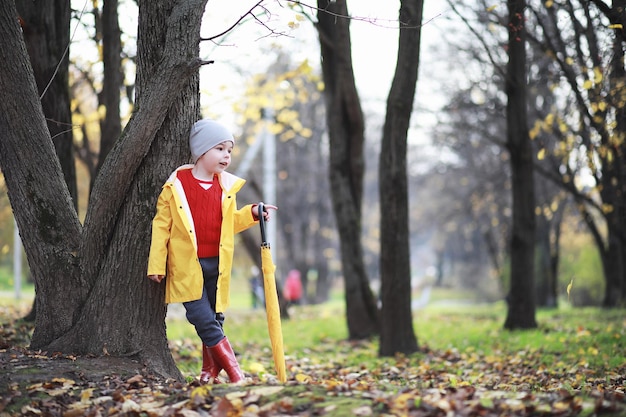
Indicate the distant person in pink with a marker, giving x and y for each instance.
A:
(292, 290)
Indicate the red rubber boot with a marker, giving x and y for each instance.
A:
(224, 357)
(210, 369)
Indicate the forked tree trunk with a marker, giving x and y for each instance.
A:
(521, 297)
(346, 135)
(93, 295)
(397, 334)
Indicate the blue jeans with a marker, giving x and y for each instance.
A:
(201, 313)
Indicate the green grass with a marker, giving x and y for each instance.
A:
(589, 337)
(566, 339)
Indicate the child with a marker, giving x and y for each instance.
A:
(193, 242)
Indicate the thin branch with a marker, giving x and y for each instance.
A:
(389, 23)
(480, 38)
(249, 12)
(67, 48)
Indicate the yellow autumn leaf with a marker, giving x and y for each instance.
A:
(549, 3)
(607, 208)
(86, 395)
(541, 155)
(256, 368)
(569, 287)
(597, 75)
(202, 391)
(302, 378)
(616, 26)
(402, 401)
(587, 84)
(532, 134)
(554, 205)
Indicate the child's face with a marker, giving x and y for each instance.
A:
(216, 159)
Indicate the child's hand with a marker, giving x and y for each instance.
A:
(156, 278)
(266, 213)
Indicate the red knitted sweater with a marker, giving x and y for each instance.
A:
(206, 210)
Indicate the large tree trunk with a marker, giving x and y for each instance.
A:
(109, 305)
(346, 134)
(397, 335)
(42, 205)
(521, 298)
(46, 29)
(115, 247)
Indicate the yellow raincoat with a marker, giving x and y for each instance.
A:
(173, 251)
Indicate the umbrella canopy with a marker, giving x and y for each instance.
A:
(271, 302)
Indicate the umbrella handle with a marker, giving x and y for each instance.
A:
(261, 210)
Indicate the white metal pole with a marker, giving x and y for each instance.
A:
(246, 162)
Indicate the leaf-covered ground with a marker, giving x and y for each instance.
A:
(327, 380)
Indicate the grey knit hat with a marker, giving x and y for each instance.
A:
(206, 134)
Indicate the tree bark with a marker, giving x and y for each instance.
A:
(397, 334)
(46, 30)
(346, 135)
(42, 205)
(521, 298)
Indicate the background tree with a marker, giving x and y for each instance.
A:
(541, 100)
(346, 139)
(397, 334)
(521, 298)
(46, 30)
(472, 213)
(112, 79)
(97, 83)
(592, 127)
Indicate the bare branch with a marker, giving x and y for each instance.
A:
(480, 38)
(383, 23)
(249, 12)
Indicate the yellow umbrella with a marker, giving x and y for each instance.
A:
(271, 302)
